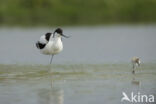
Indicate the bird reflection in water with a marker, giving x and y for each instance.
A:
(52, 96)
(135, 82)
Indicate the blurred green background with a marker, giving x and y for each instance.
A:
(76, 12)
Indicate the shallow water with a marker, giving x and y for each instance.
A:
(24, 81)
(96, 45)
(74, 84)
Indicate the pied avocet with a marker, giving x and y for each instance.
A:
(51, 43)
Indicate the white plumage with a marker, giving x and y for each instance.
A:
(54, 46)
(43, 40)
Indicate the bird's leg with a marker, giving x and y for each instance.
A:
(51, 59)
(133, 72)
(50, 71)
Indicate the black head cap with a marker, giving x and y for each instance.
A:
(59, 30)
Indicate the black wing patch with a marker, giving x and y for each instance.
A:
(40, 45)
(47, 36)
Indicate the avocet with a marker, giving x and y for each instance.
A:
(135, 62)
(51, 43)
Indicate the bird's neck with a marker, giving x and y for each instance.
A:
(55, 38)
(58, 38)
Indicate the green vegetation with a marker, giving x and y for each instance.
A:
(76, 12)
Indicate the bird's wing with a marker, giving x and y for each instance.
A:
(43, 39)
(40, 45)
(47, 36)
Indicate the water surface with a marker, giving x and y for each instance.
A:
(101, 44)
(74, 84)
